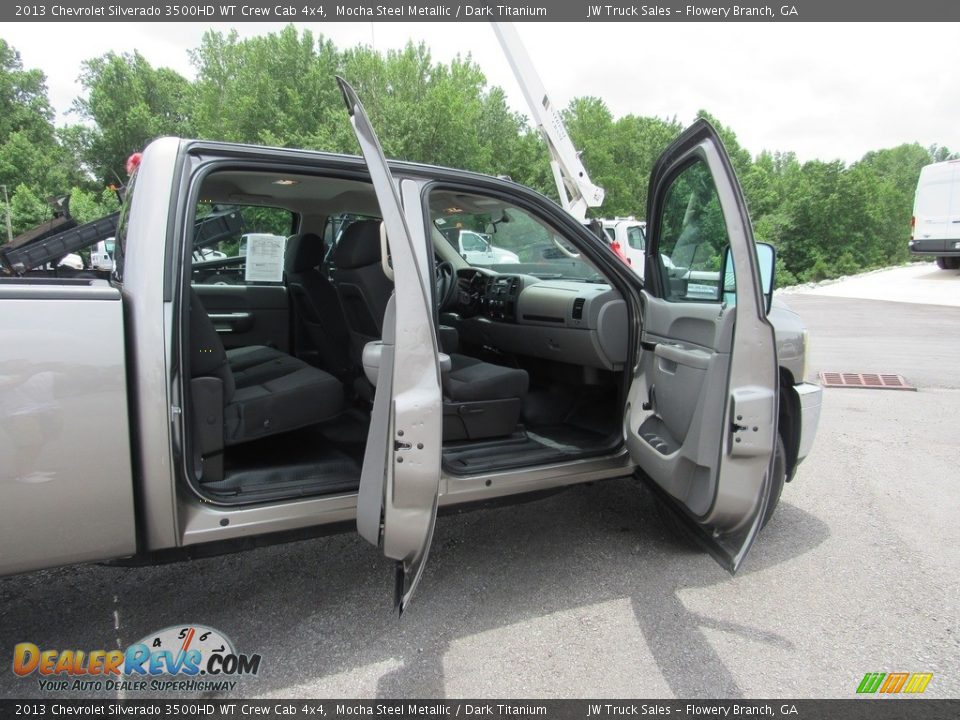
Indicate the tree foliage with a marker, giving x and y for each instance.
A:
(825, 217)
(279, 89)
(129, 103)
(30, 154)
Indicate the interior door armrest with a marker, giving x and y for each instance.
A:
(371, 361)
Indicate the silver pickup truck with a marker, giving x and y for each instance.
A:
(351, 369)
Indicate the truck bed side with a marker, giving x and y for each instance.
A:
(66, 488)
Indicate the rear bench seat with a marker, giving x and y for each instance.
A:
(259, 391)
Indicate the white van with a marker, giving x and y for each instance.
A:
(935, 226)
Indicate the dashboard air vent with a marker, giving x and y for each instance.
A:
(578, 308)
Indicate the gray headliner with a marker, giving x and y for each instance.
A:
(311, 195)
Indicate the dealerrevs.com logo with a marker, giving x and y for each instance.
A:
(180, 658)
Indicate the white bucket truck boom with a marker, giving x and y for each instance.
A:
(577, 193)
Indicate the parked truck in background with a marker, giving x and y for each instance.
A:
(101, 255)
(630, 237)
(935, 225)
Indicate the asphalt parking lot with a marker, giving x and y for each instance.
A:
(584, 594)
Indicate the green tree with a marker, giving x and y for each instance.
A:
(30, 153)
(276, 89)
(618, 154)
(280, 89)
(27, 209)
(130, 104)
(739, 157)
(86, 206)
(825, 218)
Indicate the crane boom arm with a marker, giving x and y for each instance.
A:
(577, 192)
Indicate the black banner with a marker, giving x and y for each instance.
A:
(425, 11)
(858, 709)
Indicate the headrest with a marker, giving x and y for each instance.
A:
(359, 246)
(304, 252)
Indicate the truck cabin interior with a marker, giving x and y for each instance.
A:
(282, 302)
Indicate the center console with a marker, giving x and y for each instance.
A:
(498, 297)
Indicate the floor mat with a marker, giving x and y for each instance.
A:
(317, 460)
(532, 446)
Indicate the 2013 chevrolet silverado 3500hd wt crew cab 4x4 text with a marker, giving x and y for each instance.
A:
(361, 370)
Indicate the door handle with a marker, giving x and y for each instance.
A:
(231, 321)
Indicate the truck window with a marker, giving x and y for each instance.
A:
(693, 236)
(239, 244)
(492, 233)
(123, 227)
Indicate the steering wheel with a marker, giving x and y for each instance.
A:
(446, 279)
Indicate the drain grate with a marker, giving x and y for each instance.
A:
(876, 381)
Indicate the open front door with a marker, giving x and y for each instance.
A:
(701, 417)
(397, 501)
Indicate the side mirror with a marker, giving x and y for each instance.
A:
(767, 260)
(767, 257)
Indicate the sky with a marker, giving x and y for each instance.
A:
(822, 90)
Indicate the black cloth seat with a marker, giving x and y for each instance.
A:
(470, 379)
(317, 312)
(481, 399)
(265, 392)
(254, 364)
(363, 288)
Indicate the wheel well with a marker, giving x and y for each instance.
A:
(788, 420)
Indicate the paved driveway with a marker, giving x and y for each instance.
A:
(583, 593)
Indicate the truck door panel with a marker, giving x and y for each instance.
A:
(399, 486)
(701, 414)
(248, 314)
(689, 343)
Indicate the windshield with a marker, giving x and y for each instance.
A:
(489, 233)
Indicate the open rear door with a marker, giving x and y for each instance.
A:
(397, 502)
(701, 417)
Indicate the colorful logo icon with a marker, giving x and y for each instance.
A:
(893, 683)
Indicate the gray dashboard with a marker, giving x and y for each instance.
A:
(567, 321)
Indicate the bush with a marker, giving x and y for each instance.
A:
(784, 278)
